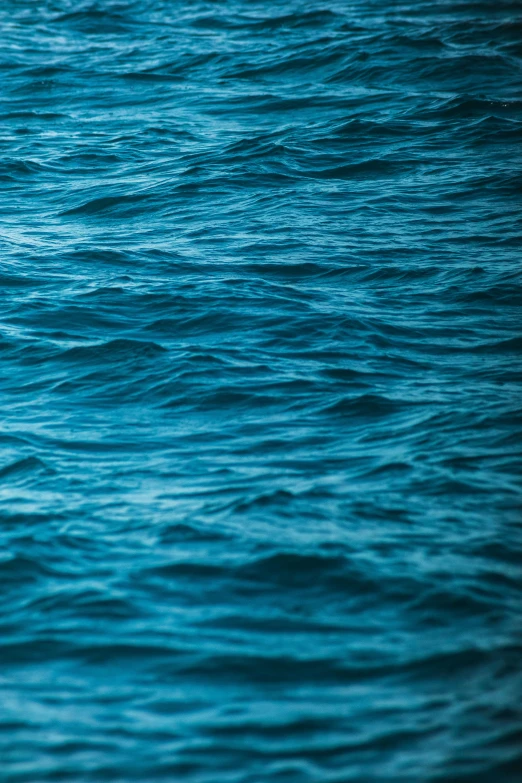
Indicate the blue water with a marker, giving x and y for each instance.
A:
(261, 391)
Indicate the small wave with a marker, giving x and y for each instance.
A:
(120, 349)
(365, 405)
(23, 466)
(107, 205)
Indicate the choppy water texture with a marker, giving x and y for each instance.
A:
(261, 391)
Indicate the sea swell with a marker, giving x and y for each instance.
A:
(261, 391)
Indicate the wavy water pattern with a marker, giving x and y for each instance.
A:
(261, 391)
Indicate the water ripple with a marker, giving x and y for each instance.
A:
(260, 463)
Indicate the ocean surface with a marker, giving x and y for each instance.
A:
(261, 391)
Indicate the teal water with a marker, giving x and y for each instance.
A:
(260, 385)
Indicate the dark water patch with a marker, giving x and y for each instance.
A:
(21, 467)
